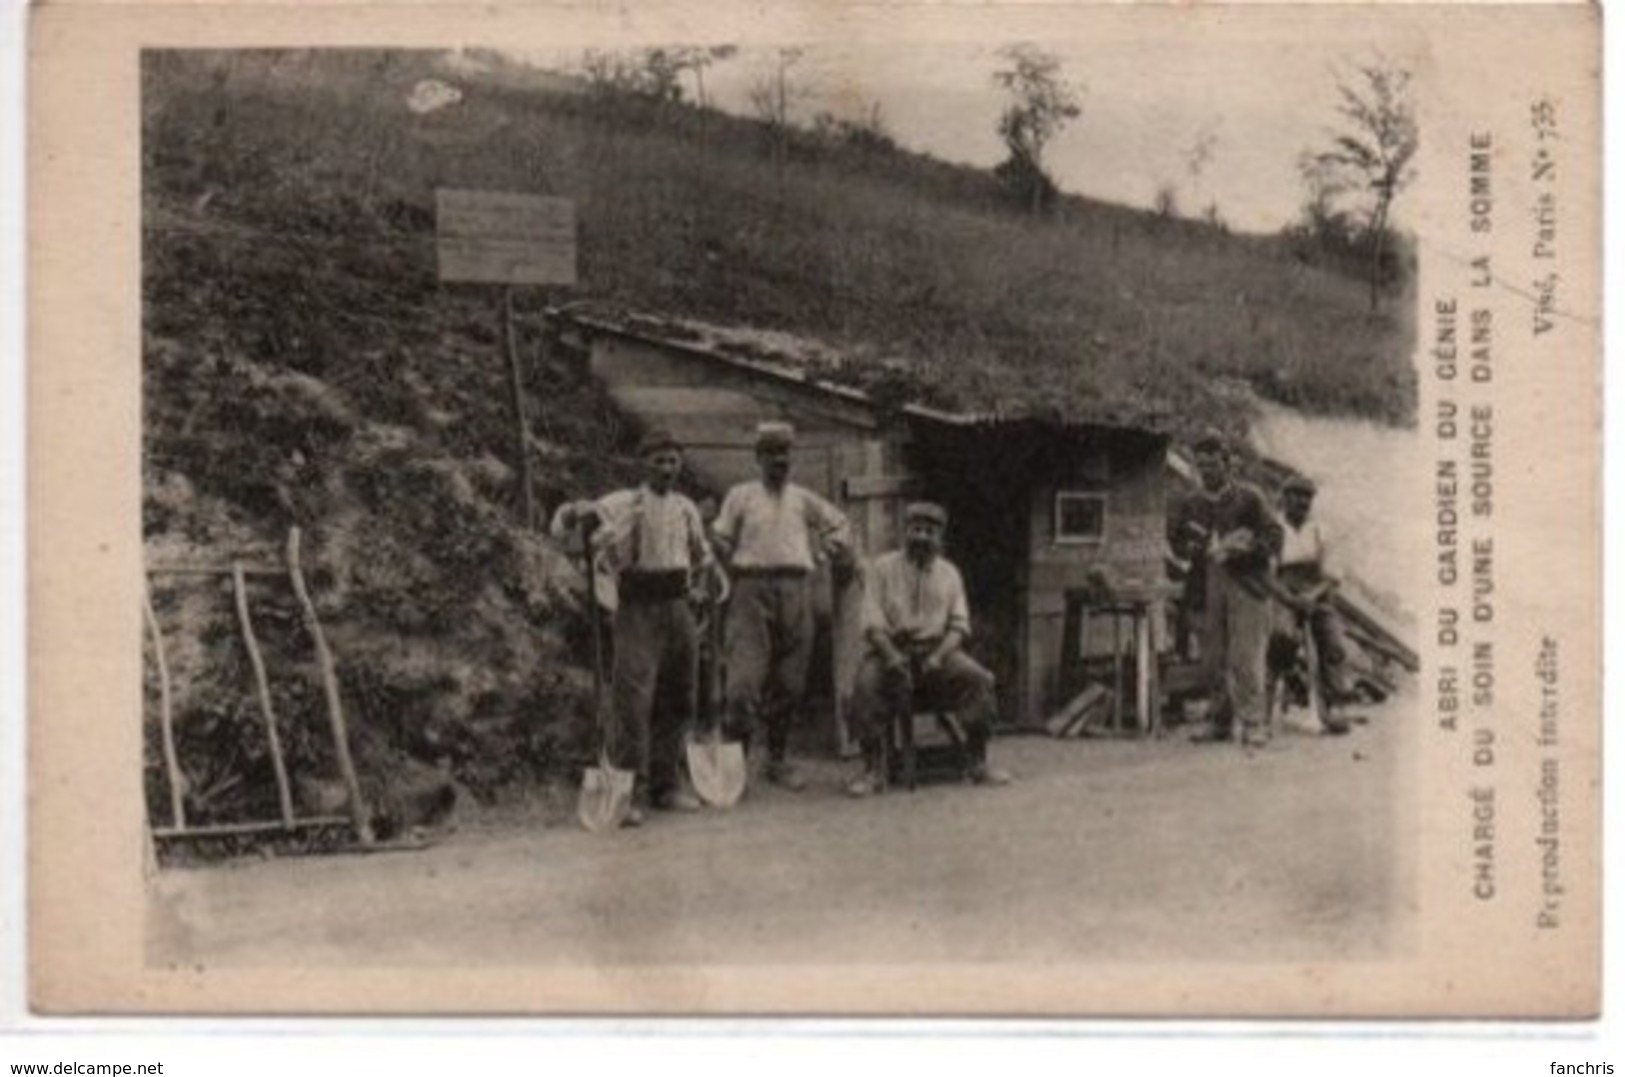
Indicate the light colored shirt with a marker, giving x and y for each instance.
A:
(778, 530)
(641, 529)
(1303, 546)
(649, 531)
(910, 603)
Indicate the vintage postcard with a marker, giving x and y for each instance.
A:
(1011, 510)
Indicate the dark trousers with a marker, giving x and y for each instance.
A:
(769, 646)
(1330, 643)
(882, 694)
(654, 684)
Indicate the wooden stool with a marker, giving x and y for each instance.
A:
(906, 756)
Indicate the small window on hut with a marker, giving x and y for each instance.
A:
(1079, 517)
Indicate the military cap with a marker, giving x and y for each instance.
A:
(657, 440)
(927, 511)
(1298, 484)
(775, 435)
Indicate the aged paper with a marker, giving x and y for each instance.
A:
(1468, 886)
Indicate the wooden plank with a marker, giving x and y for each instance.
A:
(877, 514)
(242, 829)
(1090, 717)
(1048, 602)
(719, 468)
(1125, 556)
(687, 400)
(1351, 611)
(639, 365)
(861, 487)
(1149, 709)
(172, 765)
(633, 363)
(330, 688)
(214, 570)
(738, 434)
(1043, 661)
(262, 688)
(1078, 706)
(500, 237)
(1052, 577)
(527, 483)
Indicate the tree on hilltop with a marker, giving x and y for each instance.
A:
(1369, 161)
(1044, 103)
(655, 72)
(771, 98)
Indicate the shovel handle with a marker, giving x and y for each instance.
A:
(595, 626)
(716, 685)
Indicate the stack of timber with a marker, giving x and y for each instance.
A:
(1086, 710)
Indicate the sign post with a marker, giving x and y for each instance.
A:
(497, 237)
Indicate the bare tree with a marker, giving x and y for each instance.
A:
(696, 58)
(1166, 202)
(1197, 156)
(1200, 152)
(652, 72)
(867, 131)
(603, 70)
(771, 97)
(1369, 160)
(1044, 103)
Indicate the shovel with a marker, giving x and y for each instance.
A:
(715, 766)
(606, 790)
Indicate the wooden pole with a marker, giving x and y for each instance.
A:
(511, 336)
(172, 764)
(269, 827)
(262, 687)
(1117, 670)
(216, 570)
(1145, 663)
(330, 686)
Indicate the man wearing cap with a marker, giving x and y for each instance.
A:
(771, 532)
(652, 539)
(1306, 583)
(1229, 535)
(915, 621)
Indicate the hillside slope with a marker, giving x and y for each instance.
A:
(302, 366)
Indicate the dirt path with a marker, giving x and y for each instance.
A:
(1101, 851)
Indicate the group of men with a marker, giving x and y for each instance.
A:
(761, 555)
(1254, 580)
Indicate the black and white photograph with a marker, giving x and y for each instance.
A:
(888, 521)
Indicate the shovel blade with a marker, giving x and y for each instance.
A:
(717, 769)
(606, 798)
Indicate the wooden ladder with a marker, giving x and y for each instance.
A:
(288, 822)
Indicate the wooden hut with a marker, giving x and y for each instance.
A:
(1057, 525)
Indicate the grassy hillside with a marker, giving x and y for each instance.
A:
(303, 365)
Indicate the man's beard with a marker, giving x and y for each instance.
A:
(921, 551)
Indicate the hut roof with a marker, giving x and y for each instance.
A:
(887, 383)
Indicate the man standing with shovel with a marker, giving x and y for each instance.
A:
(654, 541)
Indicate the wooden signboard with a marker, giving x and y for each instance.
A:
(495, 237)
(498, 237)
